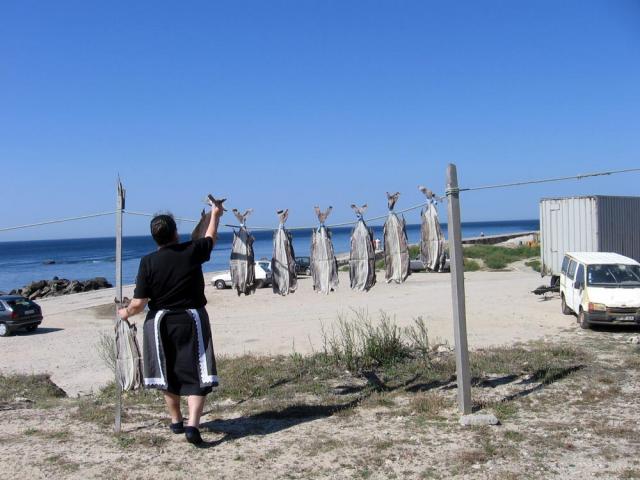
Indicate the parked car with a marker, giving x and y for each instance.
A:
(222, 280)
(600, 288)
(17, 313)
(417, 265)
(303, 265)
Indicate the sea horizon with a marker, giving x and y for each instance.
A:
(26, 261)
(230, 230)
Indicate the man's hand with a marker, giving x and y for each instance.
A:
(217, 211)
(135, 307)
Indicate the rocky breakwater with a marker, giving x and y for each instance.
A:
(60, 286)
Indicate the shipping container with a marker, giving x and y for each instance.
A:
(594, 223)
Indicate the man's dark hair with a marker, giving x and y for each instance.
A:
(163, 229)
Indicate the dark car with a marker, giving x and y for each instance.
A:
(303, 265)
(17, 313)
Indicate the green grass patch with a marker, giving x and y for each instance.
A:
(496, 257)
(471, 265)
(534, 264)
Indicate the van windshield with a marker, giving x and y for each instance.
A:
(613, 275)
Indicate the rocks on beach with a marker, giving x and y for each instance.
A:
(60, 286)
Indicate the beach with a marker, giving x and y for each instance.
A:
(501, 310)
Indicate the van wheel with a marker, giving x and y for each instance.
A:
(565, 310)
(259, 284)
(582, 320)
(220, 285)
(4, 330)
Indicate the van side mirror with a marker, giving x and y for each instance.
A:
(578, 285)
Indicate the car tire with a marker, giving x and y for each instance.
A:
(307, 272)
(259, 284)
(582, 320)
(220, 285)
(4, 330)
(565, 310)
(32, 328)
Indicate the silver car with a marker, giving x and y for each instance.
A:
(17, 313)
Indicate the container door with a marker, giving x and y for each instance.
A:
(578, 289)
(568, 285)
(563, 274)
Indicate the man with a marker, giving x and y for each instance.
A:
(178, 348)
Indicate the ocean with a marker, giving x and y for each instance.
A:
(79, 259)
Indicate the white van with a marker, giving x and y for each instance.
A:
(600, 288)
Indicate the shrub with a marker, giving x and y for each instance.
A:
(358, 342)
(471, 265)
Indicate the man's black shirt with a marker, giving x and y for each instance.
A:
(171, 278)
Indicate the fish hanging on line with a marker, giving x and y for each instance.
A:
(432, 243)
(324, 266)
(205, 218)
(362, 258)
(283, 262)
(396, 248)
(128, 357)
(242, 265)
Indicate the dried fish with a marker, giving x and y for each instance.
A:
(202, 225)
(396, 249)
(362, 259)
(283, 263)
(324, 266)
(432, 243)
(242, 265)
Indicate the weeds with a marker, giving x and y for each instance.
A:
(106, 346)
(357, 343)
(505, 410)
(418, 335)
(430, 404)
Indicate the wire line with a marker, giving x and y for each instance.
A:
(549, 180)
(267, 229)
(343, 224)
(61, 220)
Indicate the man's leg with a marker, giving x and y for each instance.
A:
(173, 405)
(196, 405)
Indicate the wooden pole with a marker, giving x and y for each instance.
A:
(119, 208)
(457, 292)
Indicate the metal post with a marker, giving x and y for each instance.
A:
(119, 209)
(457, 292)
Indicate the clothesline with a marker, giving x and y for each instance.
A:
(60, 220)
(342, 224)
(458, 190)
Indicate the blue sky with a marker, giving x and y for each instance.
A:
(291, 104)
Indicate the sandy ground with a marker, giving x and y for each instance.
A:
(500, 309)
(581, 423)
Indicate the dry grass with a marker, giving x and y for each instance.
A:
(430, 404)
(37, 390)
